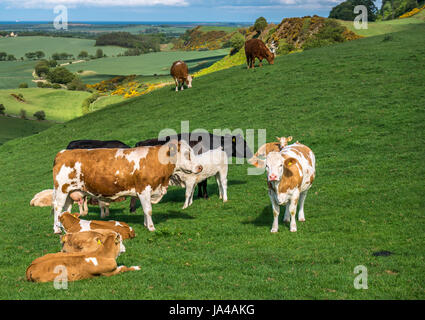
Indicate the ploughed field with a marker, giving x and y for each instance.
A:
(358, 106)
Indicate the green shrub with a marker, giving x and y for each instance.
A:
(237, 41)
(23, 85)
(86, 103)
(260, 24)
(23, 114)
(40, 115)
(2, 109)
(312, 43)
(284, 47)
(60, 75)
(76, 84)
(55, 86)
(42, 68)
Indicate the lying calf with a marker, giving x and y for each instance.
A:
(82, 265)
(44, 199)
(71, 223)
(86, 241)
(214, 163)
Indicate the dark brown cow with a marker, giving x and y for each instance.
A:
(255, 48)
(180, 74)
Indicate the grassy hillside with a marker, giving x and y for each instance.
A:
(11, 128)
(13, 73)
(58, 104)
(358, 105)
(383, 27)
(147, 64)
(49, 45)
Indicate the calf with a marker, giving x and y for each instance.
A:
(233, 146)
(214, 163)
(255, 48)
(72, 223)
(180, 73)
(108, 174)
(290, 174)
(79, 265)
(44, 199)
(86, 241)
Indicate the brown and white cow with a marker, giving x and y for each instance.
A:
(180, 73)
(108, 174)
(255, 48)
(259, 158)
(72, 223)
(86, 241)
(290, 174)
(79, 265)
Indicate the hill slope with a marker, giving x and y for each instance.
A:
(358, 105)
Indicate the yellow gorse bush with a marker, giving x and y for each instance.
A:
(412, 13)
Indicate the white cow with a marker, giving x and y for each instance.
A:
(214, 163)
(290, 174)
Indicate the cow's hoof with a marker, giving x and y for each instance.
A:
(135, 268)
(293, 230)
(301, 219)
(57, 231)
(151, 228)
(273, 230)
(286, 220)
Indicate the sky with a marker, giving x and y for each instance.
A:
(165, 10)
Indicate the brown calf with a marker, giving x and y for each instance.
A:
(80, 265)
(180, 73)
(86, 241)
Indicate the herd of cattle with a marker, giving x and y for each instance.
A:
(106, 171)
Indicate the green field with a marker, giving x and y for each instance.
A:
(359, 106)
(49, 45)
(384, 27)
(13, 73)
(58, 104)
(147, 64)
(11, 128)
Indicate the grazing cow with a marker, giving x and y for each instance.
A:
(180, 73)
(290, 174)
(255, 48)
(72, 223)
(86, 241)
(233, 145)
(95, 144)
(79, 265)
(108, 174)
(214, 163)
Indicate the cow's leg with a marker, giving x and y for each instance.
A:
(102, 206)
(219, 185)
(60, 199)
(120, 269)
(252, 62)
(292, 211)
(248, 62)
(133, 204)
(85, 208)
(191, 195)
(276, 211)
(261, 62)
(301, 216)
(204, 188)
(177, 84)
(189, 191)
(200, 189)
(182, 86)
(145, 199)
(287, 216)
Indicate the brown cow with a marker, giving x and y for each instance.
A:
(79, 265)
(71, 223)
(108, 174)
(255, 48)
(180, 73)
(86, 241)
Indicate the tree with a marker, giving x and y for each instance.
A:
(83, 54)
(260, 24)
(99, 53)
(10, 57)
(40, 115)
(3, 56)
(345, 10)
(23, 85)
(42, 68)
(60, 75)
(39, 54)
(237, 41)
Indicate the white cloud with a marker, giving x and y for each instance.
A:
(92, 3)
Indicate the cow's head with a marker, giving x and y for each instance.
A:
(270, 57)
(276, 165)
(189, 79)
(182, 155)
(284, 141)
(259, 158)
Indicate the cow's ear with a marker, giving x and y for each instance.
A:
(234, 139)
(173, 145)
(278, 139)
(289, 162)
(289, 138)
(64, 239)
(99, 242)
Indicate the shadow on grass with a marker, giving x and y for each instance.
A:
(266, 218)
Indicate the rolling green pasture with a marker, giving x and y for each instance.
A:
(148, 64)
(13, 73)
(384, 27)
(359, 106)
(11, 128)
(58, 104)
(49, 45)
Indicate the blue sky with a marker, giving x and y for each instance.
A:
(164, 10)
